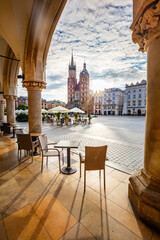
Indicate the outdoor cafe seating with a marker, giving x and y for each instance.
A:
(48, 151)
(25, 142)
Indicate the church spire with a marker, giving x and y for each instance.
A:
(72, 66)
(72, 63)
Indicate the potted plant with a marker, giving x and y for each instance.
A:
(89, 118)
(75, 116)
(66, 118)
(58, 115)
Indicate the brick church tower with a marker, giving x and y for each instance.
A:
(78, 93)
(72, 83)
(83, 87)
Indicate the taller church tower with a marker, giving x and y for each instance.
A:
(72, 82)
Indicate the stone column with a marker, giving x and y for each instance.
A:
(144, 186)
(34, 89)
(10, 106)
(2, 102)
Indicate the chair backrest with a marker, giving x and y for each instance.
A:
(43, 141)
(24, 141)
(7, 128)
(95, 157)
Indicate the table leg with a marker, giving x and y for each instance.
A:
(68, 158)
(35, 153)
(68, 169)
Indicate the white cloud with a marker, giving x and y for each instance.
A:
(98, 32)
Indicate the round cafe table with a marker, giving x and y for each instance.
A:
(68, 144)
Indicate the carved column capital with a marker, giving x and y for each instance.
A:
(10, 97)
(34, 85)
(2, 101)
(147, 27)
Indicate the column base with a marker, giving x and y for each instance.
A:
(144, 195)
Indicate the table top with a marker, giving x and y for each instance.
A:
(36, 134)
(18, 128)
(67, 144)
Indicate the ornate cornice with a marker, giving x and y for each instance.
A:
(147, 27)
(34, 85)
(10, 97)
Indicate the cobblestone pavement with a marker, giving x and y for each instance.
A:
(123, 135)
(125, 151)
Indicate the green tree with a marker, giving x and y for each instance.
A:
(22, 107)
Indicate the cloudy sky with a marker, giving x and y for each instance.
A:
(98, 32)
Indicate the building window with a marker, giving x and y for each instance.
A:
(113, 102)
(134, 103)
(134, 96)
(128, 91)
(145, 102)
(113, 98)
(139, 90)
(139, 102)
(113, 94)
(139, 95)
(129, 96)
(128, 103)
(134, 91)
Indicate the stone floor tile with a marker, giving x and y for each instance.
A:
(8, 195)
(23, 177)
(17, 203)
(120, 195)
(126, 218)
(53, 213)
(120, 176)
(75, 200)
(104, 227)
(5, 176)
(90, 194)
(77, 232)
(111, 183)
(3, 234)
(24, 224)
(8, 183)
(34, 190)
(127, 179)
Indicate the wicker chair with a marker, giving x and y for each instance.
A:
(48, 152)
(94, 160)
(25, 143)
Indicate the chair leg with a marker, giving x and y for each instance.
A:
(62, 156)
(20, 155)
(59, 163)
(80, 169)
(32, 156)
(47, 162)
(104, 178)
(42, 164)
(84, 179)
(99, 173)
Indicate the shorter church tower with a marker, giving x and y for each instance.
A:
(84, 86)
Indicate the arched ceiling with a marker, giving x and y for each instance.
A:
(26, 29)
(14, 18)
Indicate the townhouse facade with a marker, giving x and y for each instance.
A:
(135, 99)
(98, 102)
(112, 101)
